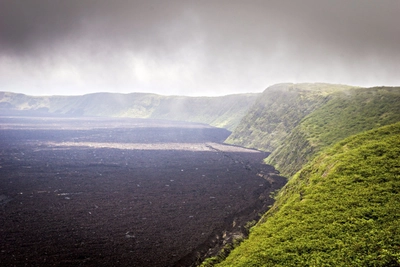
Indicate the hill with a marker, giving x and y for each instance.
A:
(278, 110)
(341, 209)
(345, 113)
(224, 111)
(296, 121)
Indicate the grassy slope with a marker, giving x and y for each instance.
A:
(346, 113)
(278, 111)
(225, 111)
(342, 209)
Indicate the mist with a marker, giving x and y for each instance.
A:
(195, 48)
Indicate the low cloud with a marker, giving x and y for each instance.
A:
(195, 47)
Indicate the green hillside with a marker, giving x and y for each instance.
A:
(341, 209)
(278, 111)
(345, 113)
(224, 111)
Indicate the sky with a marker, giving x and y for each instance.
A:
(195, 48)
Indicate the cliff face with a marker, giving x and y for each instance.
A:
(224, 111)
(295, 122)
(278, 111)
(345, 113)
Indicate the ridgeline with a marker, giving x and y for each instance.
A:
(223, 111)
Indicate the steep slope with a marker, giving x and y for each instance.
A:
(224, 111)
(278, 111)
(345, 113)
(342, 209)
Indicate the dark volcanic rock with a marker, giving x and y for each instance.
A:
(122, 192)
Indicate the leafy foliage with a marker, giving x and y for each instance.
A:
(341, 209)
(346, 113)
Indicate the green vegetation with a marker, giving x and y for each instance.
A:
(278, 111)
(345, 113)
(341, 209)
(296, 121)
(224, 111)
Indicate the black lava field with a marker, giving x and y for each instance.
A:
(123, 192)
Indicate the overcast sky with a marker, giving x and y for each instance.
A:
(203, 47)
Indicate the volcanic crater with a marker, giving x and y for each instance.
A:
(124, 192)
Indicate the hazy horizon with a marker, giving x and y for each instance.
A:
(195, 48)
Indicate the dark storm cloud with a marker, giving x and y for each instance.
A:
(27, 25)
(197, 47)
(24, 24)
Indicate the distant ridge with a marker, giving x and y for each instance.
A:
(223, 111)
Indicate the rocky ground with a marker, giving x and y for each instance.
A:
(123, 192)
